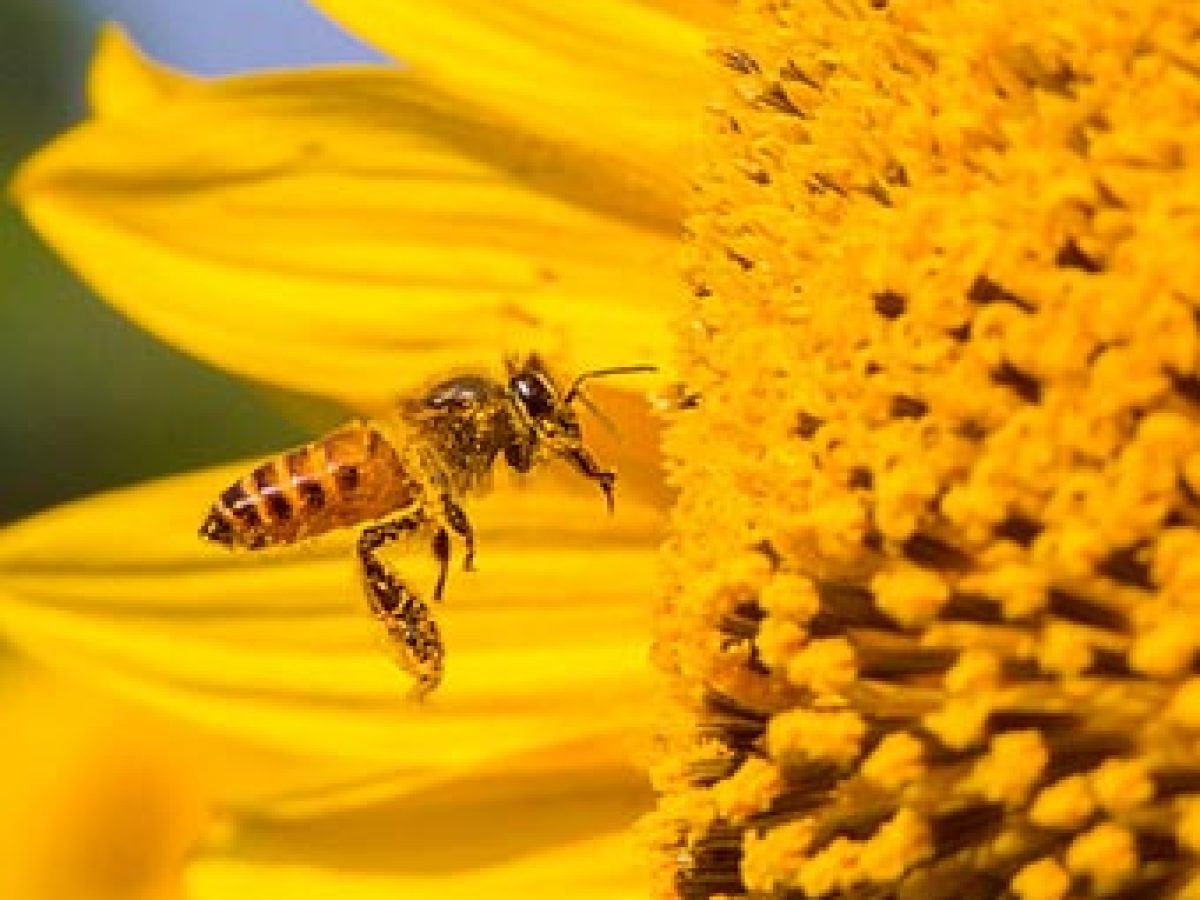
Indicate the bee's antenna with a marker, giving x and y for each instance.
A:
(573, 392)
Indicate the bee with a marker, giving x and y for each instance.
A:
(409, 477)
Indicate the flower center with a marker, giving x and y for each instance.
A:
(931, 625)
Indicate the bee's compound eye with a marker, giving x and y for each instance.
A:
(535, 394)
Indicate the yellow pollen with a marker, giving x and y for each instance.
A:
(1184, 708)
(898, 845)
(960, 724)
(974, 672)
(790, 596)
(1166, 648)
(778, 641)
(1044, 879)
(824, 666)
(1065, 649)
(1121, 785)
(1106, 854)
(1188, 828)
(1012, 765)
(775, 857)
(1064, 804)
(832, 735)
(837, 867)
(896, 762)
(749, 790)
(910, 595)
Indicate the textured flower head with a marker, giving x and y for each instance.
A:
(931, 613)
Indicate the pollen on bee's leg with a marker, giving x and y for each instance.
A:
(420, 650)
(413, 636)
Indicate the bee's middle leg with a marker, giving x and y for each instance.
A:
(405, 616)
(456, 518)
(441, 552)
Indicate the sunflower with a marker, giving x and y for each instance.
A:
(927, 627)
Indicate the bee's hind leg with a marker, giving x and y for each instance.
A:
(415, 639)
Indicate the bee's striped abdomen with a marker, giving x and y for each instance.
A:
(348, 476)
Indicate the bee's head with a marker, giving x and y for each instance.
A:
(543, 406)
(549, 415)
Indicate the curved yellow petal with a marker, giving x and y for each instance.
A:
(625, 80)
(710, 15)
(69, 765)
(552, 808)
(123, 83)
(598, 868)
(320, 787)
(278, 649)
(349, 232)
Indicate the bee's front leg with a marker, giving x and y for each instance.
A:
(414, 635)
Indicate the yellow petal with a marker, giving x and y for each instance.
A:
(348, 231)
(708, 14)
(69, 765)
(278, 649)
(123, 83)
(599, 868)
(551, 808)
(316, 787)
(624, 80)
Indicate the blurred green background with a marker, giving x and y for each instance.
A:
(89, 401)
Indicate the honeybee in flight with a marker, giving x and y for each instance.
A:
(410, 478)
